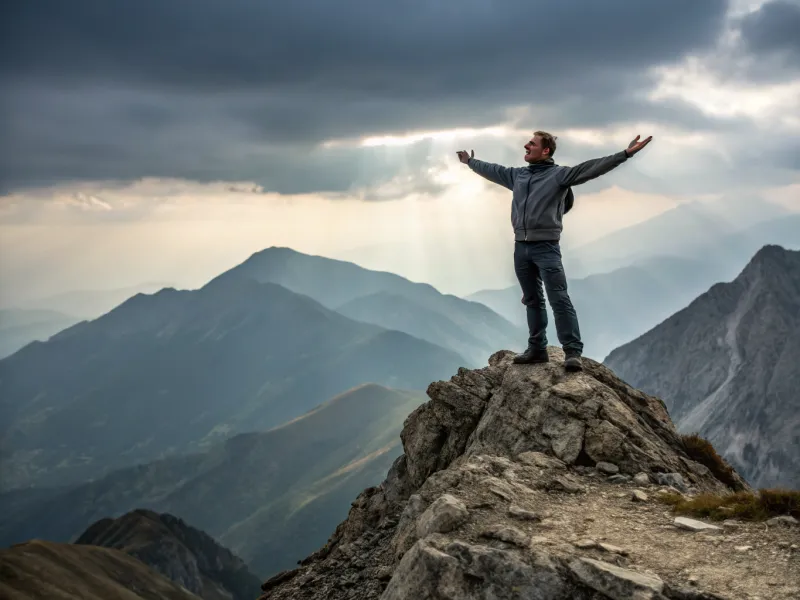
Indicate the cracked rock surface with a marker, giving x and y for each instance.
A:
(498, 495)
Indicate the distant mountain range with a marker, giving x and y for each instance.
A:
(726, 231)
(388, 300)
(615, 307)
(176, 371)
(271, 497)
(727, 367)
(179, 552)
(20, 327)
(90, 304)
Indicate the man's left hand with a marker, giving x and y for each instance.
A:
(636, 145)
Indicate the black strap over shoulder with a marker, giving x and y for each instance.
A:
(569, 200)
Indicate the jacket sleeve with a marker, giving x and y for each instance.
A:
(495, 173)
(586, 171)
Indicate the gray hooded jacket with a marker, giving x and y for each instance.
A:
(540, 191)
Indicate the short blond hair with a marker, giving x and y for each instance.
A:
(548, 141)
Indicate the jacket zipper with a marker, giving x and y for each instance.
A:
(525, 207)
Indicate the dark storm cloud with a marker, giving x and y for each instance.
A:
(247, 89)
(774, 29)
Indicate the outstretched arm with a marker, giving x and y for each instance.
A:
(495, 173)
(586, 171)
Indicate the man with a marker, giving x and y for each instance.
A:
(541, 196)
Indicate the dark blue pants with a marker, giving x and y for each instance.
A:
(536, 263)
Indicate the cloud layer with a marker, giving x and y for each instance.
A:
(246, 90)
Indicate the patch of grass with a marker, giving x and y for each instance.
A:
(746, 506)
(700, 450)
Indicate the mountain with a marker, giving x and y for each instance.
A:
(38, 569)
(523, 481)
(405, 314)
(20, 327)
(181, 553)
(176, 371)
(271, 497)
(468, 328)
(727, 366)
(681, 231)
(615, 307)
(90, 304)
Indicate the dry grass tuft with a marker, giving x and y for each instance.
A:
(765, 504)
(700, 450)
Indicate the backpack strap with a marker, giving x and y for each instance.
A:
(569, 200)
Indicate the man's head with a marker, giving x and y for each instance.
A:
(540, 147)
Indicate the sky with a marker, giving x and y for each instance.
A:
(168, 140)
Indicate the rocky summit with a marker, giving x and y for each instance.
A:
(527, 482)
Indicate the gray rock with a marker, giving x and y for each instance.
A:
(672, 479)
(444, 514)
(500, 492)
(638, 496)
(783, 520)
(511, 535)
(539, 539)
(615, 582)
(585, 544)
(612, 549)
(607, 468)
(461, 571)
(541, 460)
(694, 525)
(619, 478)
(520, 513)
(641, 479)
(566, 485)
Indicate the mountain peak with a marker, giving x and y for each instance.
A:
(772, 256)
(726, 365)
(176, 550)
(505, 470)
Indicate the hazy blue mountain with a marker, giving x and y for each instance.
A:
(616, 307)
(19, 327)
(727, 367)
(175, 371)
(387, 300)
(189, 557)
(271, 497)
(717, 226)
(89, 304)
(405, 314)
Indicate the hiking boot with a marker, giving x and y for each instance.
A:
(572, 362)
(531, 356)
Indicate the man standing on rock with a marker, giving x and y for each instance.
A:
(541, 195)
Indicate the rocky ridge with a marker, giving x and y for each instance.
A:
(523, 481)
(179, 552)
(726, 366)
(40, 569)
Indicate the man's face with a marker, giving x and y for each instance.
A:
(533, 150)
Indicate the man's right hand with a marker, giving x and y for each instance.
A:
(464, 157)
